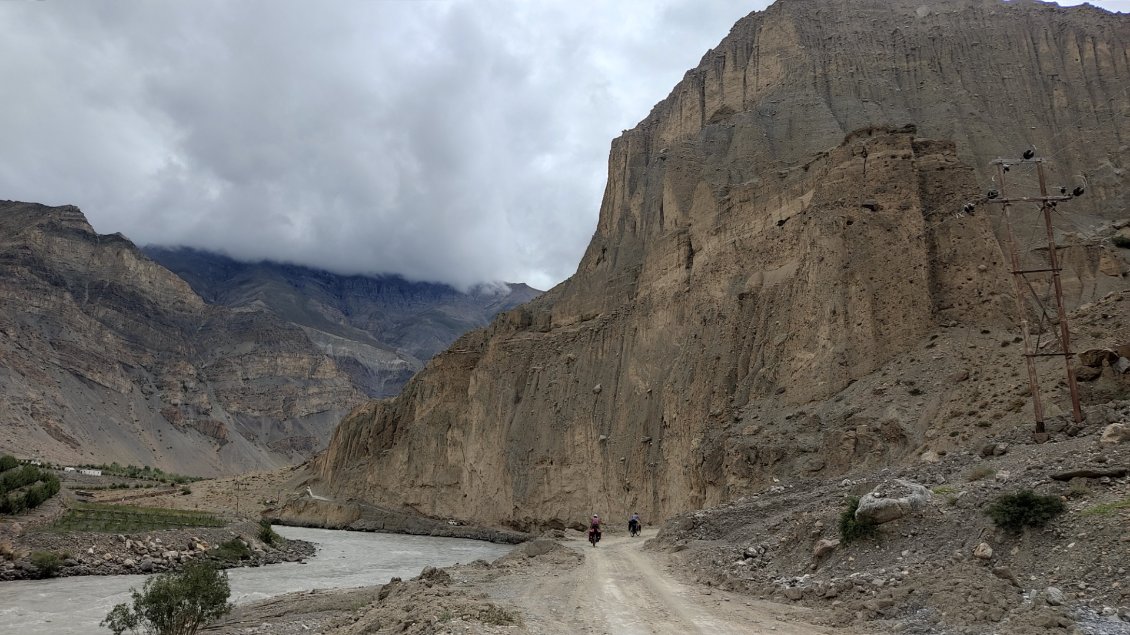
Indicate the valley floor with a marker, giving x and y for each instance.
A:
(543, 587)
(621, 588)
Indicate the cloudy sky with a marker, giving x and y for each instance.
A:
(462, 141)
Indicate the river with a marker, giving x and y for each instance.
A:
(63, 606)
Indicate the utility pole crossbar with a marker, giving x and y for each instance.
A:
(1020, 282)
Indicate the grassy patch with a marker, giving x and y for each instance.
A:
(947, 492)
(980, 472)
(496, 616)
(1106, 509)
(129, 518)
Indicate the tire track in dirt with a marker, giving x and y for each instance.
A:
(619, 589)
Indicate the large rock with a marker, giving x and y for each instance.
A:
(1115, 433)
(891, 500)
(1096, 357)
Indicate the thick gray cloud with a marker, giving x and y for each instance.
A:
(461, 141)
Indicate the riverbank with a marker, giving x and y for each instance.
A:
(344, 560)
(85, 553)
(307, 511)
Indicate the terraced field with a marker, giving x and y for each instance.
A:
(128, 518)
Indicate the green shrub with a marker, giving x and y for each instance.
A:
(174, 603)
(8, 462)
(980, 472)
(233, 550)
(267, 534)
(185, 491)
(46, 563)
(1014, 512)
(852, 529)
(1122, 241)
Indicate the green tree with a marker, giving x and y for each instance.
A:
(174, 603)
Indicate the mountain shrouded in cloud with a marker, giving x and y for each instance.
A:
(459, 142)
(454, 141)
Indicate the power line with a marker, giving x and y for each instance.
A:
(1022, 282)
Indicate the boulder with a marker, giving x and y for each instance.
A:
(1095, 357)
(983, 551)
(1054, 596)
(891, 500)
(824, 547)
(1115, 433)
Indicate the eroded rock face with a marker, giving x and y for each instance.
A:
(753, 255)
(714, 316)
(107, 356)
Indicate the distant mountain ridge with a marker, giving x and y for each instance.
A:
(107, 356)
(379, 329)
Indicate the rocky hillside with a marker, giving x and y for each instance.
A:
(107, 356)
(758, 267)
(379, 329)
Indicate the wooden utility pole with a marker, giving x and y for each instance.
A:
(1020, 282)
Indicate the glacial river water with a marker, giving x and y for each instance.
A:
(344, 559)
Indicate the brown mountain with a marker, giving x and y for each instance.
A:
(379, 329)
(107, 356)
(763, 275)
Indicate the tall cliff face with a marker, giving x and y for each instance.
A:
(751, 263)
(107, 356)
(379, 329)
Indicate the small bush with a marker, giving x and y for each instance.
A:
(1122, 241)
(8, 462)
(980, 472)
(496, 616)
(267, 534)
(185, 491)
(233, 550)
(174, 603)
(46, 563)
(852, 529)
(1014, 512)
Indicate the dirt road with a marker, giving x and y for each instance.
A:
(619, 589)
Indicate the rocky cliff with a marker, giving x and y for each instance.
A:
(760, 269)
(379, 329)
(107, 356)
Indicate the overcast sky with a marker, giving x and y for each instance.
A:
(457, 141)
